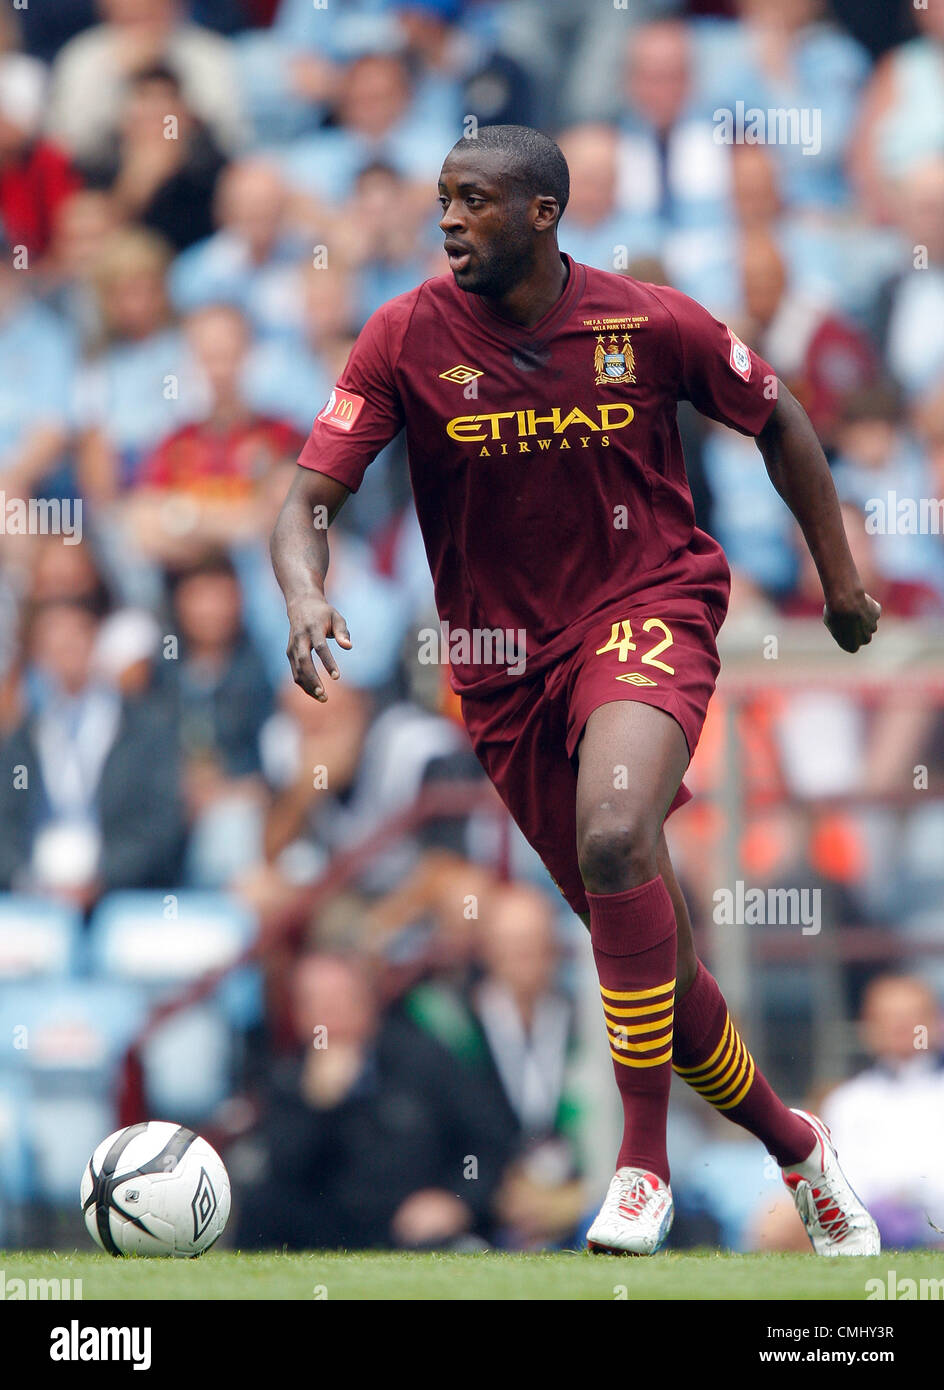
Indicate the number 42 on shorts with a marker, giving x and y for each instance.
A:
(621, 641)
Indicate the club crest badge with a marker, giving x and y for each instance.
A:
(614, 361)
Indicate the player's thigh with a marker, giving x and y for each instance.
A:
(520, 741)
(632, 758)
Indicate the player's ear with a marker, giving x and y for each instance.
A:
(545, 214)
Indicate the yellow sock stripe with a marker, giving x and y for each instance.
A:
(646, 1046)
(730, 1104)
(642, 1061)
(632, 1028)
(644, 1010)
(638, 993)
(706, 1066)
(721, 1078)
(725, 1085)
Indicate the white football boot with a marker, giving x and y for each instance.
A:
(836, 1221)
(636, 1215)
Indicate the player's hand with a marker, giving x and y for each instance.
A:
(312, 622)
(852, 623)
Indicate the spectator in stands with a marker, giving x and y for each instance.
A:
(901, 118)
(526, 1025)
(83, 224)
(888, 1120)
(458, 74)
(162, 163)
(908, 311)
(595, 229)
(897, 1104)
(133, 393)
(252, 259)
(788, 55)
(384, 230)
(96, 803)
(880, 467)
(312, 764)
(35, 175)
(821, 356)
(373, 121)
(291, 376)
(216, 686)
(37, 362)
(200, 487)
(91, 74)
(671, 165)
(365, 1133)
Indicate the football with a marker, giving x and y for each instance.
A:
(155, 1189)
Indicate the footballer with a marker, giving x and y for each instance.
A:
(553, 499)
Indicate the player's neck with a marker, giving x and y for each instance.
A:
(528, 302)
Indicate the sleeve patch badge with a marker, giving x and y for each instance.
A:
(342, 409)
(740, 358)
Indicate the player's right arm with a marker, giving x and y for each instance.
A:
(299, 550)
(362, 414)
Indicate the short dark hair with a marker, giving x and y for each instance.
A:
(536, 162)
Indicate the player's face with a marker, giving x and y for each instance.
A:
(489, 239)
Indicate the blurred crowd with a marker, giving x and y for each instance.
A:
(200, 205)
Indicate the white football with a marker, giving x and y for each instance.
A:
(155, 1189)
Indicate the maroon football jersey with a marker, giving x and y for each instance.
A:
(545, 462)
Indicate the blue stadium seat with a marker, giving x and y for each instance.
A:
(38, 937)
(15, 1171)
(160, 942)
(67, 1040)
(163, 941)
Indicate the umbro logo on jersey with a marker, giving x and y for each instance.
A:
(461, 374)
(636, 678)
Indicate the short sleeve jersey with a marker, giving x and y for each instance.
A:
(545, 462)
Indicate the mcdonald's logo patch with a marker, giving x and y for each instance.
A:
(342, 409)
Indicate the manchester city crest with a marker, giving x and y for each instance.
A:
(614, 361)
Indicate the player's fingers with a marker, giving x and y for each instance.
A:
(323, 652)
(341, 633)
(303, 668)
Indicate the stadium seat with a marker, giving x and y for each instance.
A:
(161, 942)
(15, 1171)
(68, 1038)
(38, 937)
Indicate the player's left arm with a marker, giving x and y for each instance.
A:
(798, 470)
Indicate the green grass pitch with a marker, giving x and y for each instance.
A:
(358, 1275)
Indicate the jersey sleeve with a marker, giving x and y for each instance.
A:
(363, 411)
(720, 375)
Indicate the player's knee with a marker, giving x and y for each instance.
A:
(616, 855)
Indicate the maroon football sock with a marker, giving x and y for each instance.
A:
(633, 939)
(710, 1055)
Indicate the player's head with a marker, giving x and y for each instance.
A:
(502, 192)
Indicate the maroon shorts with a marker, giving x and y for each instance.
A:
(660, 651)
